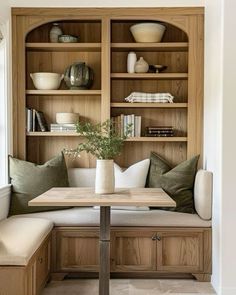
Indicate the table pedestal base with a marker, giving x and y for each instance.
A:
(104, 272)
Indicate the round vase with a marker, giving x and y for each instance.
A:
(55, 32)
(105, 178)
(79, 76)
(141, 66)
(131, 60)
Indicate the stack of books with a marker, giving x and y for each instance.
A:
(35, 121)
(159, 131)
(122, 122)
(62, 127)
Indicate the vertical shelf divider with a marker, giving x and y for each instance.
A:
(105, 69)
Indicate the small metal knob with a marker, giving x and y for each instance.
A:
(40, 260)
(154, 238)
(158, 238)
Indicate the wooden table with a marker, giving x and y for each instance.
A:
(86, 197)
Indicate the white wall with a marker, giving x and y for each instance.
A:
(213, 120)
(228, 237)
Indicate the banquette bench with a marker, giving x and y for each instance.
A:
(154, 243)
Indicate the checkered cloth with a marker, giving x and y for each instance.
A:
(150, 97)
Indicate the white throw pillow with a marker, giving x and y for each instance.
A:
(134, 176)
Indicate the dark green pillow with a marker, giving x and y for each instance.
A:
(30, 180)
(177, 182)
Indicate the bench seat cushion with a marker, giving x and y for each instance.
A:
(90, 217)
(20, 238)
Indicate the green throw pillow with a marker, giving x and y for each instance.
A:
(177, 182)
(31, 180)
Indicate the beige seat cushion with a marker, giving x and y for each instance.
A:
(90, 217)
(20, 238)
(203, 194)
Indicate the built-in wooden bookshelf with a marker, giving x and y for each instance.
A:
(105, 41)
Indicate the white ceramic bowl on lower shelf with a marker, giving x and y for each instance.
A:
(67, 118)
(46, 81)
(148, 32)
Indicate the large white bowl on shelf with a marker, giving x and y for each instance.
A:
(46, 81)
(67, 118)
(148, 32)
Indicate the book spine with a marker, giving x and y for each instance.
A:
(139, 126)
(29, 121)
(41, 121)
(133, 124)
(122, 125)
(33, 120)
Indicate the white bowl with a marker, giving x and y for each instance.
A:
(147, 32)
(46, 81)
(67, 118)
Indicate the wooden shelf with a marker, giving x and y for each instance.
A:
(170, 46)
(63, 92)
(91, 47)
(164, 76)
(147, 105)
(151, 139)
(52, 134)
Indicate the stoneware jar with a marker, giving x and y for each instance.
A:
(55, 32)
(105, 178)
(131, 60)
(79, 76)
(141, 66)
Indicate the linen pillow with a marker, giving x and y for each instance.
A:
(134, 176)
(30, 180)
(178, 182)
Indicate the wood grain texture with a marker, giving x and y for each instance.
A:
(29, 279)
(78, 196)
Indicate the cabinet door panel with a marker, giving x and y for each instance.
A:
(76, 251)
(133, 251)
(180, 251)
(43, 265)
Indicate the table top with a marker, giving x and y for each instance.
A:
(80, 197)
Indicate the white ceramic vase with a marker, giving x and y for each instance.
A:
(141, 66)
(131, 60)
(105, 178)
(55, 32)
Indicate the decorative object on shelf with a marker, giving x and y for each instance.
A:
(141, 66)
(157, 68)
(105, 144)
(67, 118)
(55, 32)
(131, 60)
(79, 76)
(68, 39)
(150, 97)
(148, 32)
(46, 81)
(159, 131)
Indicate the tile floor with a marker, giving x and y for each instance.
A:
(129, 287)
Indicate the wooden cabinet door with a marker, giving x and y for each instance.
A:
(43, 265)
(180, 251)
(133, 251)
(76, 250)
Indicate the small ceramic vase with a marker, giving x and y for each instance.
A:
(141, 66)
(105, 178)
(131, 60)
(55, 32)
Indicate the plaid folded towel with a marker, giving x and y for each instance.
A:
(150, 97)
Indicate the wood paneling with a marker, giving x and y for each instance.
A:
(133, 251)
(29, 279)
(180, 251)
(75, 250)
